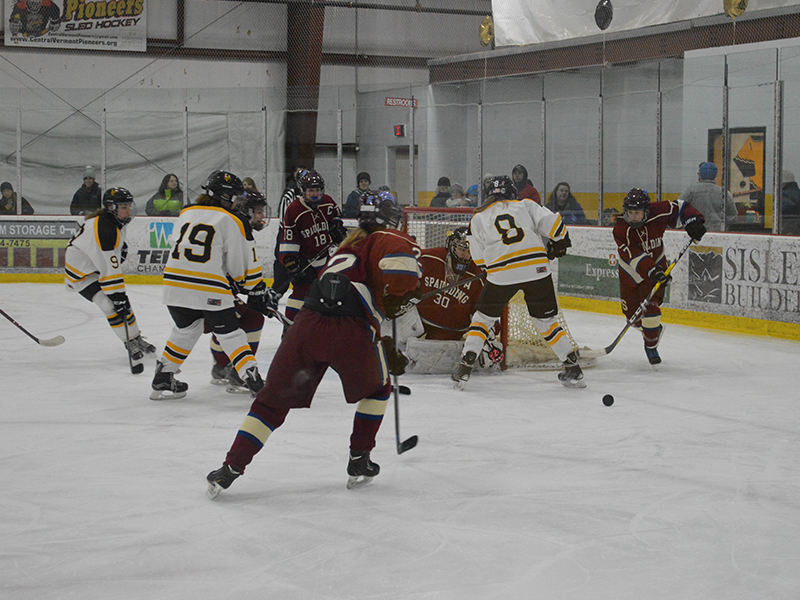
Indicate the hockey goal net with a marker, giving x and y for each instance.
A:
(525, 348)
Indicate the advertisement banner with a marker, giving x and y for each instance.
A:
(101, 25)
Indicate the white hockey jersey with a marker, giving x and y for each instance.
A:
(506, 240)
(95, 249)
(212, 245)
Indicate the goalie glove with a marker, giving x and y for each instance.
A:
(263, 299)
(395, 360)
(557, 249)
(394, 306)
(695, 228)
(338, 231)
(122, 305)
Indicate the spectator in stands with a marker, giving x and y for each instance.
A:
(8, 201)
(442, 193)
(790, 204)
(710, 199)
(352, 205)
(457, 198)
(564, 203)
(168, 200)
(610, 215)
(472, 195)
(249, 184)
(524, 185)
(86, 200)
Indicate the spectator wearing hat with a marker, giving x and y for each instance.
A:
(472, 195)
(8, 201)
(442, 193)
(711, 200)
(457, 198)
(524, 185)
(352, 205)
(790, 204)
(87, 199)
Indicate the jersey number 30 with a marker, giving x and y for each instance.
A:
(201, 235)
(508, 230)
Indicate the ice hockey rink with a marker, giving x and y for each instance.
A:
(688, 487)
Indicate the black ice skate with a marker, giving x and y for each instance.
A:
(652, 355)
(228, 376)
(165, 386)
(219, 480)
(361, 470)
(143, 345)
(461, 375)
(252, 379)
(572, 375)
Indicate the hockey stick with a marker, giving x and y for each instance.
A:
(278, 315)
(412, 441)
(138, 367)
(640, 310)
(56, 341)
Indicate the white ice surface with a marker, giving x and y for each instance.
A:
(686, 488)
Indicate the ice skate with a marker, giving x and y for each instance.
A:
(143, 345)
(652, 355)
(137, 356)
(165, 386)
(361, 470)
(228, 376)
(219, 480)
(572, 375)
(253, 381)
(461, 375)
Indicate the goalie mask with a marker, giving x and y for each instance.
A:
(637, 200)
(254, 206)
(313, 186)
(377, 210)
(223, 187)
(118, 202)
(458, 249)
(502, 186)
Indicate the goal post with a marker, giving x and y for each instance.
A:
(524, 346)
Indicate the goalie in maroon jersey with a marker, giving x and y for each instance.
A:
(312, 223)
(642, 260)
(375, 271)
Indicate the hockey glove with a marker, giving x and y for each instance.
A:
(338, 231)
(394, 306)
(695, 228)
(557, 249)
(263, 299)
(122, 305)
(395, 360)
(657, 275)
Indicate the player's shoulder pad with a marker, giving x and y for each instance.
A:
(106, 232)
(244, 221)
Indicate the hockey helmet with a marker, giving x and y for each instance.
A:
(637, 199)
(502, 186)
(250, 202)
(457, 246)
(114, 199)
(313, 186)
(377, 210)
(223, 187)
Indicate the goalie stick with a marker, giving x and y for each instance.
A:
(56, 341)
(412, 441)
(634, 316)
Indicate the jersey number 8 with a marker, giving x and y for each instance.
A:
(508, 230)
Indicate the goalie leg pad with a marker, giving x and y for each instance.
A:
(435, 357)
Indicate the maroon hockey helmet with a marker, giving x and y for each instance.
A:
(457, 246)
(637, 199)
(248, 204)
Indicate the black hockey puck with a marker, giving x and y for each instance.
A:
(608, 399)
(136, 369)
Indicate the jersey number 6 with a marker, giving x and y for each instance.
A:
(508, 230)
(201, 235)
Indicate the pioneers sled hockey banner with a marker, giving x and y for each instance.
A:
(82, 24)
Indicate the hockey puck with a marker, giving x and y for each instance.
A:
(608, 399)
(136, 369)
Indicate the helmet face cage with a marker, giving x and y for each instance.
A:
(379, 210)
(457, 246)
(224, 187)
(637, 199)
(114, 198)
(248, 203)
(502, 186)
